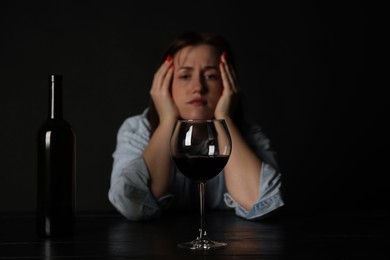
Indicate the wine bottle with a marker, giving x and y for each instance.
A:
(56, 150)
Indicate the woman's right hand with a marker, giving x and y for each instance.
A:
(161, 92)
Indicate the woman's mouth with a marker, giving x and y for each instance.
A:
(197, 102)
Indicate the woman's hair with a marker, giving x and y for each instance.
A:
(195, 39)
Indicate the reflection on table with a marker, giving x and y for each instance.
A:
(110, 236)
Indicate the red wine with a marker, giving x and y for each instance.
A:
(56, 169)
(200, 168)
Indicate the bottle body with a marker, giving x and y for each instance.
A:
(56, 171)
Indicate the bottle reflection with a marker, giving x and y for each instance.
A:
(47, 250)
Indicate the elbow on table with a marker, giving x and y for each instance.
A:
(128, 209)
(133, 216)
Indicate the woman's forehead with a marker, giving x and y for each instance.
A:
(196, 54)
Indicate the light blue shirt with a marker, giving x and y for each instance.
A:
(130, 194)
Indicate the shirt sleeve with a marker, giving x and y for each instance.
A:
(129, 192)
(270, 196)
(130, 195)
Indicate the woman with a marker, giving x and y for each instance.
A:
(196, 80)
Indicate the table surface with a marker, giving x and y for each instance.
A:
(110, 236)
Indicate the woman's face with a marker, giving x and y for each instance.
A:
(197, 84)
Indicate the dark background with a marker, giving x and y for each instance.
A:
(313, 75)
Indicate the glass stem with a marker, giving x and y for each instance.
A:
(202, 228)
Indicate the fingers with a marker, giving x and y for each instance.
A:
(161, 92)
(227, 102)
(163, 75)
(167, 73)
(228, 75)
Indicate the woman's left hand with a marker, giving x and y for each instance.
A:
(226, 103)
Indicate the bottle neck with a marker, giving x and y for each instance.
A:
(55, 97)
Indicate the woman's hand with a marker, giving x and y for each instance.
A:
(226, 103)
(161, 93)
(156, 154)
(242, 172)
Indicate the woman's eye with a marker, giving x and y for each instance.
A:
(211, 77)
(184, 76)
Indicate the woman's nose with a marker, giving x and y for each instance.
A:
(198, 85)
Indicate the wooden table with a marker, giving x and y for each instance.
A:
(110, 236)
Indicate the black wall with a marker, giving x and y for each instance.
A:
(313, 75)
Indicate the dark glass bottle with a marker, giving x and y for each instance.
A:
(56, 169)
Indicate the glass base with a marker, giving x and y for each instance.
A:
(202, 244)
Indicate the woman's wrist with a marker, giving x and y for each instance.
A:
(226, 117)
(167, 121)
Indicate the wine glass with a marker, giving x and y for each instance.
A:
(200, 149)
